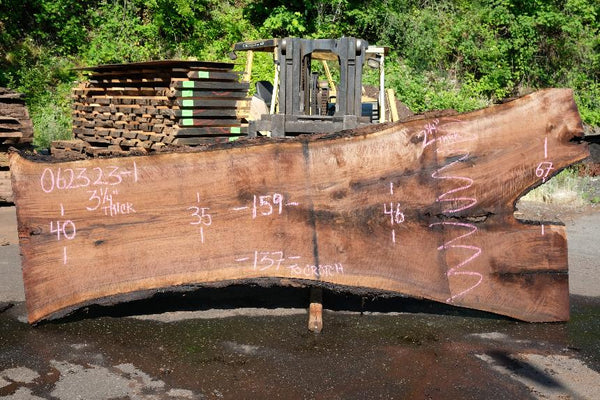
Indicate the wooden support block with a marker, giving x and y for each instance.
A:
(315, 310)
(421, 208)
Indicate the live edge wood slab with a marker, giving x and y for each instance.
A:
(421, 208)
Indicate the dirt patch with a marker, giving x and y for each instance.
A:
(547, 212)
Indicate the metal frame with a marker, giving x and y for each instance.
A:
(299, 110)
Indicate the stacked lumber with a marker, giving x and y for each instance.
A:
(16, 130)
(150, 105)
(15, 125)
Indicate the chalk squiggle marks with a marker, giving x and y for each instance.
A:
(469, 182)
(468, 202)
(456, 270)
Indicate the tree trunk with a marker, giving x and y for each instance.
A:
(422, 208)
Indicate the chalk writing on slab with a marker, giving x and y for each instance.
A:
(64, 229)
(200, 216)
(266, 205)
(544, 168)
(58, 178)
(395, 213)
(278, 261)
(459, 203)
(105, 199)
(449, 195)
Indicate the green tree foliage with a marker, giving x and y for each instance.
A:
(446, 53)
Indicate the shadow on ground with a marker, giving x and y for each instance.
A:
(240, 297)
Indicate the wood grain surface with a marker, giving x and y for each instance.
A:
(423, 208)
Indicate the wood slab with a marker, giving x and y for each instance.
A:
(422, 208)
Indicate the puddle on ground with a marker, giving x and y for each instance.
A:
(427, 351)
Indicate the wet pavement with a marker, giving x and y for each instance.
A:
(440, 353)
(253, 342)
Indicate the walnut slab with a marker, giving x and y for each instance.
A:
(422, 208)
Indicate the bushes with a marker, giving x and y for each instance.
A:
(447, 53)
(422, 91)
(51, 116)
(46, 81)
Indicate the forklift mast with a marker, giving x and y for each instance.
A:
(303, 100)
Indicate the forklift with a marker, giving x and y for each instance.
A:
(299, 102)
